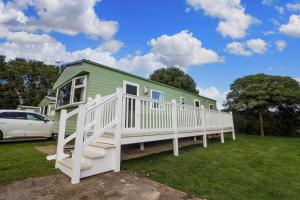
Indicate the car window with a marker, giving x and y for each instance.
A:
(13, 115)
(32, 116)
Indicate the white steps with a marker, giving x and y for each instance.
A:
(107, 139)
(68, 163)
(96, 158)
(93, 153)
(102, 145)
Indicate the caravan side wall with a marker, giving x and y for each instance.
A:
(104, 82)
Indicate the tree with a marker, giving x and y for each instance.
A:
(262, 94)
(174, 77)
(24, 82)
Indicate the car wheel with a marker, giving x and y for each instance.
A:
(52, 137)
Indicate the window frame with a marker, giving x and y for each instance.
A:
(196, 100)
(131, 83)
(73, 87)
(153, 103)
(182, 103)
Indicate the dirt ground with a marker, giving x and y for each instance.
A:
(111, 186)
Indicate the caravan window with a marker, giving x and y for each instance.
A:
(64, 94)
(72, 92)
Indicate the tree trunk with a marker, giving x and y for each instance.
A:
(262, 132)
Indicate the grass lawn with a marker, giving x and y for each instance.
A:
(249, 168)
(21, 160)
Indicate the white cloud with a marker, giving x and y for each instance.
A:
(68, 17)
(269, 32)
(181, 49)
(280, 9)
(281, 45)
(258, 46)
(213, 93)
(267, 2)
(31, 46)
(9, 17)
(293, 6)
(248, 48)
(234, 22)
(238, 48)
(292, 28)
(112, 46)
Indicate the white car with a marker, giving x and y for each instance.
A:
(17, 124)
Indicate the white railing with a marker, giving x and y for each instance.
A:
(189, 117)
(99, 117)
(143, 114)
(146, 114)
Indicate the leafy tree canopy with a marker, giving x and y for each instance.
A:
(25, 82)
(264, 93)
(175, 77)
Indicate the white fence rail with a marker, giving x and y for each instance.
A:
(143, 114)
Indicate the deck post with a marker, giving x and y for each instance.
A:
(142, 147)
(61, 136)
(204, 128)
(221, 126)
(174, 123)
(118, 130)
(233, 131)
(76, 158)
(97, 115)
(195, 138)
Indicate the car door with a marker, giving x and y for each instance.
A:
(13, 124)
(37, 126)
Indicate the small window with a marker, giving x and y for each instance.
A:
(80, 81)
(35, 117)
(197, 103)
(131, 89)
(182, 100)
(211, 106)
(79, 90)
(78, 95)
(157, 95)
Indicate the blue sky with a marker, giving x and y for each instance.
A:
(214, 41)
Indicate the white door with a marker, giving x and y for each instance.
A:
(13, 124)
(37, 126)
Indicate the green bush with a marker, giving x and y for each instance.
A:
(281, 123)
